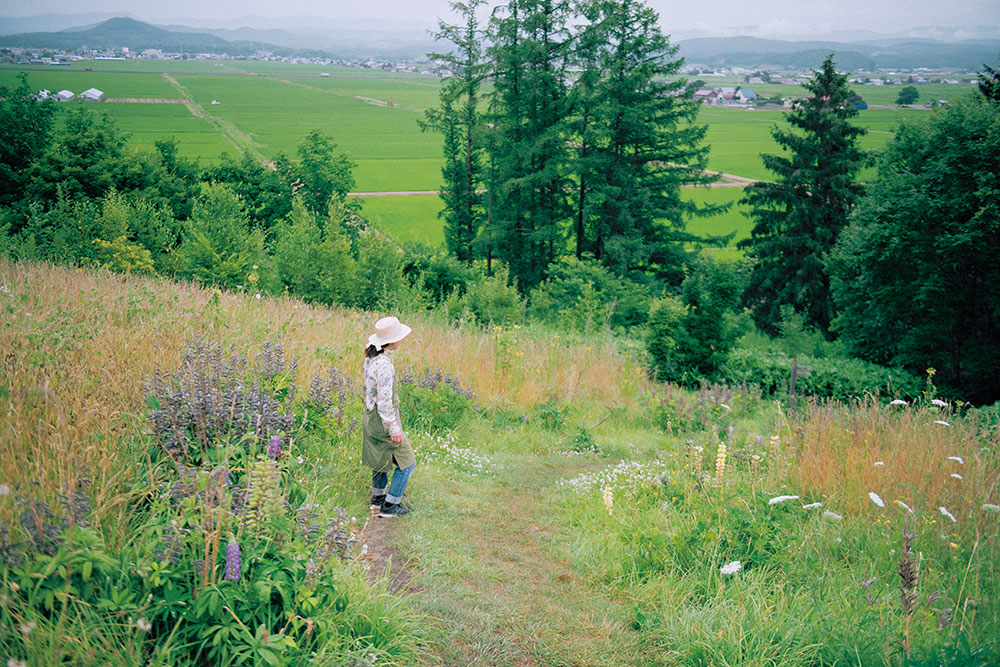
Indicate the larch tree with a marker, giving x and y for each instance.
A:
(461, 124)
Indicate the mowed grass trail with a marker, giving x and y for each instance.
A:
(489, 568)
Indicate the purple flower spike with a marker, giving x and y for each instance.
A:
(274, 448)
(233, 561)
(730, 432)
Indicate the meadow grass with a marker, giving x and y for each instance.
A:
(561, 520)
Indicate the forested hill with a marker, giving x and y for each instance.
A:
(125, 32)
(870, 55)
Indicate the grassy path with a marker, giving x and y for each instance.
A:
(488, 571)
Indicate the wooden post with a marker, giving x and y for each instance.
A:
(797, 372)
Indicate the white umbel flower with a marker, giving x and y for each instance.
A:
(938, 402)
(780, 499)
(956, 459)
(731, 567)
(948, 514)
(899, 401)
(942, 422)
(875, 498)
(990, 507)
(833, 516)
(812, 506)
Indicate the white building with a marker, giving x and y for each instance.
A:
(92, 95)
(65, 96)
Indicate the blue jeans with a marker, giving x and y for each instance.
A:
(400, 478)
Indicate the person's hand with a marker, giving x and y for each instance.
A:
(397, 438)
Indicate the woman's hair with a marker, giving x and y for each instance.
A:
(371, 351)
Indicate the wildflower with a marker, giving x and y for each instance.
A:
(731, 567)
(903, 505)
(952, 545)
(720, 464)
(26, 628)
(4, 490)
(876, 499)
(780, 499)
(879, 463)
(233, 561)
(143, 625)
(956, 475)
(942, 422)
(274, 447)
(957, 459)
(300, 459)
(11, 662)
(938, 402)
(948, 514)
(723, 405)
(609, 499)
(899, 401)
(832, 515)
(990, 507)
(257, 296)
(812, 506)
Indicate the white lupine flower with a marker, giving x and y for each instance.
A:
(957, 459)
(879, 463)
(942, 422)
(990, 507)
(832, 515)
(875, 498)
(609, 499)
(948, 514)
(780, 499)
(899, 401)
(956, 475)
(938, 402)
(731, 567)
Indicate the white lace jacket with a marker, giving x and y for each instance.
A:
(379, 376)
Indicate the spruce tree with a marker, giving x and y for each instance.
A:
(798, 217)
(460, 122)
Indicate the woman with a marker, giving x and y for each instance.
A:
(385, 447)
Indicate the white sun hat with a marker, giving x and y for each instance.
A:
(388, 330)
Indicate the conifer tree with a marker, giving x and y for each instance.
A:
(637, 141)
(460, 121)
(529, 39)
(798, 217)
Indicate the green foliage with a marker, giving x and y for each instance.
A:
(799, 216)
(689, 337)
(840, 379)
(313, 263)
(25, 132)
(382, 283)
(433, 410)
(494, 299)
(219, 248)
(636, 142)
(585, 296)
(437, 274)
(989, 83)
(324, 177)
(912, 275)
(908, 95)
(461, 123)
(266, 193)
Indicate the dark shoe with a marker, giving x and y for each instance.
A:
(376, 502)
(390, 510)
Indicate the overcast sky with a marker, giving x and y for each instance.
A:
(767, 18)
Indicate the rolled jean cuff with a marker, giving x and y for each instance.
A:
(392, 500)
(378, 491)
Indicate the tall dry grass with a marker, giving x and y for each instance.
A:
(78, 347)
(837, 449)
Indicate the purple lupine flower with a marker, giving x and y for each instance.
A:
(274, 447)
(233, 561)
(730, 438)
(756, 439)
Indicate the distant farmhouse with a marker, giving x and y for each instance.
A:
(64, 96)
(726, 96)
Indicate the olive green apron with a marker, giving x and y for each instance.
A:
(378, 451)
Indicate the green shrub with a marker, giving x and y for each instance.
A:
(494, 299)
(840, 379)
(586, 296)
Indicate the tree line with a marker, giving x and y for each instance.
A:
(567, 133)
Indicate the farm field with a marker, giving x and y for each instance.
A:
(266, 108)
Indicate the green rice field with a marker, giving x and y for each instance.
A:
(373, 116)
